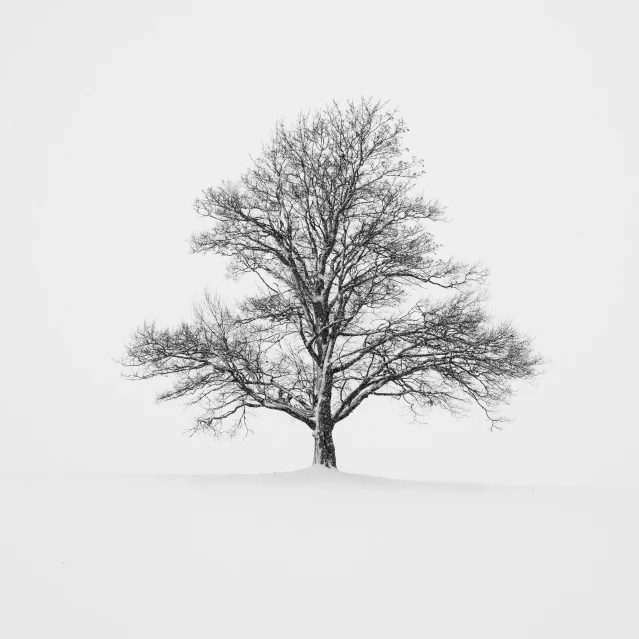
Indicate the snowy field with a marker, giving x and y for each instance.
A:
(313, 554)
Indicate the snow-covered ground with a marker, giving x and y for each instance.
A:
(313, 554)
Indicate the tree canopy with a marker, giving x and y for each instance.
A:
(351, 299)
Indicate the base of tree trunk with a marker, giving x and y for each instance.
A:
(324, 453)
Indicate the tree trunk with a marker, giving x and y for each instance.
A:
(324, 446)
(323, 433)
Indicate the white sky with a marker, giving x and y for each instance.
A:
(114, 116)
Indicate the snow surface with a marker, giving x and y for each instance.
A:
(313, 553)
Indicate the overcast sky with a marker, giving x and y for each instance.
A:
(115, 115)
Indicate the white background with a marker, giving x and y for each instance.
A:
(114, 116)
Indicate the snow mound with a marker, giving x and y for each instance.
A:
(313, 553)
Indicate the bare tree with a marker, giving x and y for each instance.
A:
(328, 222)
